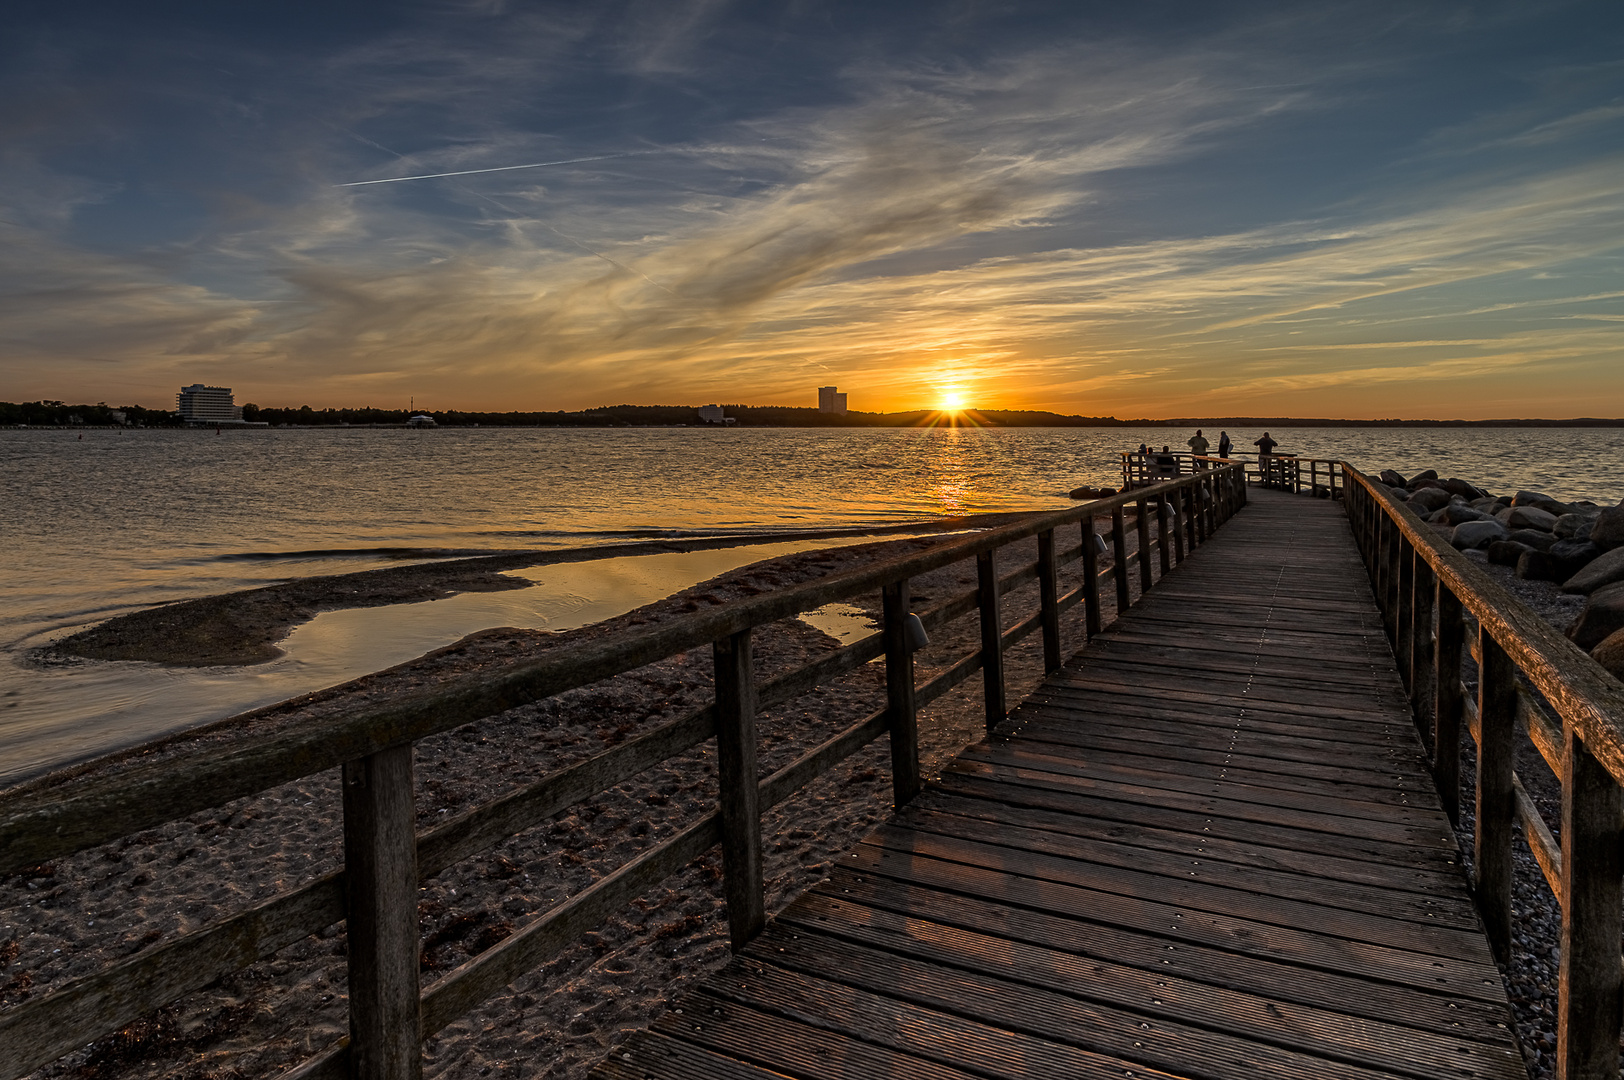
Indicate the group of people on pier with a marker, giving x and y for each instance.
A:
(1167, 465)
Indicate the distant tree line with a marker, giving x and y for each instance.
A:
(58, 414)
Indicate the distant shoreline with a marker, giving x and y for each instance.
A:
(742, 416)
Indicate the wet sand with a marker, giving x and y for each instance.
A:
(243, 627)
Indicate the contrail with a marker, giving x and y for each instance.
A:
(471, 172)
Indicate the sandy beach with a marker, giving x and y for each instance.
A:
(67, 918)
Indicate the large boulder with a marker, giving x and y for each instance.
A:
(1575, 526)
(1488, 504)
(1603, 616)
(1534, 538)
(1506, 552)
(1608, 532)
(1529, 517)
(1459, 514)
(1429, 500)
(1536, 565)
(1610, 654)
(1425, 474)
(1596, 573)
(1476, 534)
(1456, 486)
(1420, 482)
(1540, 500)
(1392, 479)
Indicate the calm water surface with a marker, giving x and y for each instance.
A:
(114, 521)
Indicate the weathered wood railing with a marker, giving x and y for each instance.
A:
(384, 859)
(1427, 590)
(1316, 476)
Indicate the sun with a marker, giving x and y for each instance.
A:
(953, 401)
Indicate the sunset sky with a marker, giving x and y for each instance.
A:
(1136, 209)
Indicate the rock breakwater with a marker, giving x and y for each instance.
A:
(1577, 545)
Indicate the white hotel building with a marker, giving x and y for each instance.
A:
(199, 404)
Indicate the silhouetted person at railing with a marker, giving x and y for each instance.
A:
(1198, 447)
(1265, 446)
(1167, 465)
(1224, 444)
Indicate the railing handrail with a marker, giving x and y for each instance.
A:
(385, 857)
(1418, 579)
(39, 822)
(1577, 687)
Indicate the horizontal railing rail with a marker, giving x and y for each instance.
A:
(375, 894)
(1533, 680)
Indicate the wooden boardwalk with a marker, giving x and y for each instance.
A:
(1207, 847)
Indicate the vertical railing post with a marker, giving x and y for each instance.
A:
(1395, 542)
(1199, 505)
(380, 876)
(1163, 541)
(1449, 705)
(1119, 556)
(739, 804)
(1424, 588)
(1589, 990)
(1177, 507)
(1049, 599)
(1142, 526)
(1496, 805)
(1209, 492)
(899, 694)
(992, 636)
(1091, 579)
(1403, 639)
(1187, 509)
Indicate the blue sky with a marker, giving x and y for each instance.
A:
(1167, 209)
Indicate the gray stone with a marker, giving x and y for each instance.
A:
(1536, 565)
(1608, 532)
(1603, 616)
(1475, 534)
(1574, 526)
(1399, 494)
(1597, 573)
(1486, 504)
(1506, 552)
(1392, 479)
(1425, 474)
(1459, 513)
(1539, 499)
(1429, 499)
(1420, 482)
(1456, 486)
(1534, 538)
(1530, 517)
(1610, 654)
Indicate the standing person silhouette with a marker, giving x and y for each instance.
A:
(1198, 448)
(1224, 445)
(1268, 474)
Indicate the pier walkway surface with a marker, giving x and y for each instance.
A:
(1208, 846)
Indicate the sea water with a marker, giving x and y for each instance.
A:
(97, 523)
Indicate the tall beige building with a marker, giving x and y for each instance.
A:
(830, 400)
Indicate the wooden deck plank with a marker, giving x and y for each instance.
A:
(1206, 847)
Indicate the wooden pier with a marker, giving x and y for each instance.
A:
(1208, 846)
